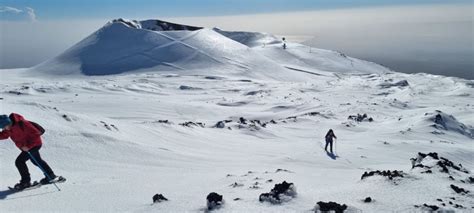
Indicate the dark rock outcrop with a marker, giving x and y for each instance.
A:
(459, 190)
(330, 206)
(360, 118)
(386, 85)
(157, 198)
(214, 201)
(281, 192)
(389, 174)
(367, 200)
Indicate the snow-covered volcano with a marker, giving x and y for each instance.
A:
(128, 46)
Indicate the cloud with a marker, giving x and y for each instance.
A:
(14, 14)
(9, 10)
(31, 13)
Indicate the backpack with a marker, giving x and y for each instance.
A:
(38, 127)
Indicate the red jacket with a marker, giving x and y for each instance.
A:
(22, 132)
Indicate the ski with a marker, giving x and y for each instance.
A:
(37, 184)
(34, 185)
(59, 179)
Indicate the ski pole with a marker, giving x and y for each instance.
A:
(335, 146)
(44, 172)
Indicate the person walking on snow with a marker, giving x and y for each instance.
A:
(27, 137)
(329, 137)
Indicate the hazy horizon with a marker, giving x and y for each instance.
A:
(434, 38)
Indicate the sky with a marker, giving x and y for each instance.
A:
(430, 36)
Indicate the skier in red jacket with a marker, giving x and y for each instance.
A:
(27, 138)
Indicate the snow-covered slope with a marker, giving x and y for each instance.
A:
(251, 39)
(121, 139)
(300, 57)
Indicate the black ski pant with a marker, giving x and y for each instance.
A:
(328, 142)
(20, 163)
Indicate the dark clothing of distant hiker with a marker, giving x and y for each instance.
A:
(329, 137)
(27, 138)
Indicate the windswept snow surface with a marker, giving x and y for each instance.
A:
(120, 139)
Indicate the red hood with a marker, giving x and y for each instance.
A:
(16, 118)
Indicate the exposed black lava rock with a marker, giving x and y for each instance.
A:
(459, 190)
(389, 174)
(220, 125)
(427, 172)
(184, 87)
(214, 201)
(283, 170)
(445, 164)
(159, 198)
(360, 118)
(431, 154)
(330, 206)
(234, 185)
(312, 114)
(388, 84)
(191, 124)
(431, 207)
(439, 120)
(470, 179)
(281, 192)
(242, 120)
(66, 117)
(367, 200)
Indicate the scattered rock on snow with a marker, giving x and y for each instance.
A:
(360, 118)
(66, 118)
(459, 190)
(157, 198)
(400, 84)
(191, 124)
(389, 174)
(283, 170)
(330, 206)
(367, 200)
(220, 125)
(255, 92)
(234, 185)
(431, 160)
(214, 201)
(184, 87)
(428, 207)
(470, 180)
(280, 193)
